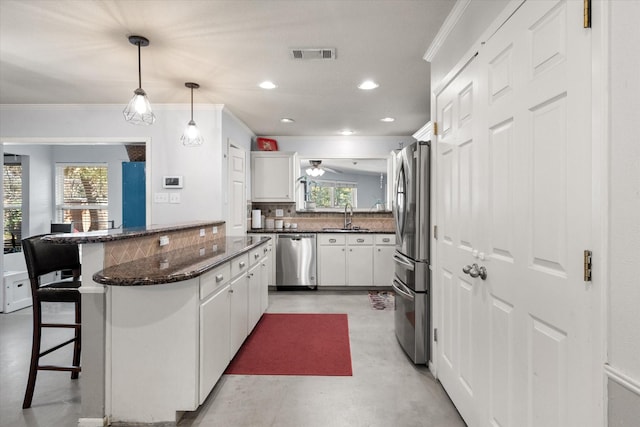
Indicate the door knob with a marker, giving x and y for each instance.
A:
(475, 271)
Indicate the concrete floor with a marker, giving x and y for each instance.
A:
(386, 389)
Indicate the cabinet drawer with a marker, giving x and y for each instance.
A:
(239, 264)
(256, 254)
(211, 280)
(360, 239)
(331, 239)
(385, 239)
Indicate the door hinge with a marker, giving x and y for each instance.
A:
(587, 13)
(435, 232)
(587, 265)
(435, 335)
(435, 128)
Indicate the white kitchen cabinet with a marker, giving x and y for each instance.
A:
(383, 265)
(273, 176)
(214, 337)
(359, 259)
(265, 281)
(254, 279)
(239, 305)
(355, 259)
(16, 291)
(332, 260)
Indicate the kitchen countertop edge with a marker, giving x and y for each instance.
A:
(303, 231)
(102, 236)
(177, 265)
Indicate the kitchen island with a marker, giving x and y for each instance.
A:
(160, 323)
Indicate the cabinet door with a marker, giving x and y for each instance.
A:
(239, 311)
(331, 265)
(255, 295)
(359, 266)
(265, 279)
(383, 265)
(273, 177)
(214, 340)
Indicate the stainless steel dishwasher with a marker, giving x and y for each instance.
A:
(296, 261)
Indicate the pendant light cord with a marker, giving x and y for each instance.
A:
(192, 103)
(139, 68)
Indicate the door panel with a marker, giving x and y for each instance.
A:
(514, 195)
(237, 224)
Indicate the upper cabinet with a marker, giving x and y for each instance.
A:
(273, 176)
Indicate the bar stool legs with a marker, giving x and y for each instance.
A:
(36, 345)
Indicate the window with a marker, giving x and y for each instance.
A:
(82, 195)
(333, 194)
(12, 183)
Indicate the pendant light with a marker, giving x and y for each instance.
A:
(138, 110)
(191, 135)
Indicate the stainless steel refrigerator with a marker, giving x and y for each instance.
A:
(411, 281)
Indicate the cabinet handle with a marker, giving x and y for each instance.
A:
(350, 250)
(219, 278)
(386, 240)
(242, 264)
(332, 240)
(360, 240)
(256, 256)
(379, 250)
(230, 291)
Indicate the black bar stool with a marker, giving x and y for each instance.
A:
(42, 258)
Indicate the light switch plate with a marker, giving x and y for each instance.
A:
(174, 197)
(161, 198)
(279, 212)
(202, 233)
(215, 230)
(164, 240)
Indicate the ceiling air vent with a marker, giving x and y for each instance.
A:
(308, 53)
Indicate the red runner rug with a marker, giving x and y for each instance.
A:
(296, 344)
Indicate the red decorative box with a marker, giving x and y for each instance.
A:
(267, 144)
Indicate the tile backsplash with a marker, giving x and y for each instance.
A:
(308, 220)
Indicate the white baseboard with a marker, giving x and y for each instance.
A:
(92, 422)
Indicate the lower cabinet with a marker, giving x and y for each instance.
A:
(215, 353)
(359, 260)
(239, 316)
(254, 279)
(332, 260)
(355, 259)
(190, 330)
(383, 265)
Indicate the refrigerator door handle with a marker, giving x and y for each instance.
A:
(404, 261)
(402, 289)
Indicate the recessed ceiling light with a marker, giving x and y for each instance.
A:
(368, 85)
(267, 85)
(286, 120)
(346, 132)
(388, 120)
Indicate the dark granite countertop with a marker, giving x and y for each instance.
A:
(177, 265)
(306, 231)
(123, 233)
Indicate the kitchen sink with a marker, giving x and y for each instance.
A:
(345, 230)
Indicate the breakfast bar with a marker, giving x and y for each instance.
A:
(167, 309)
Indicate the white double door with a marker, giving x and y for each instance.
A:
(513, 161)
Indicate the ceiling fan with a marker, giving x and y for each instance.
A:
(315, 170)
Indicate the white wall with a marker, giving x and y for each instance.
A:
(200, 166)
(624, 214)
(342, 146)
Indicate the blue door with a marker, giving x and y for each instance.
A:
(133, 194)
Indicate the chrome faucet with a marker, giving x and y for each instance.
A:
(348, 222)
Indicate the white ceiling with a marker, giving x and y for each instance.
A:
(76, 52)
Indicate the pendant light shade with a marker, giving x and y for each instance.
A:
(138, 111)
(191, 136)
